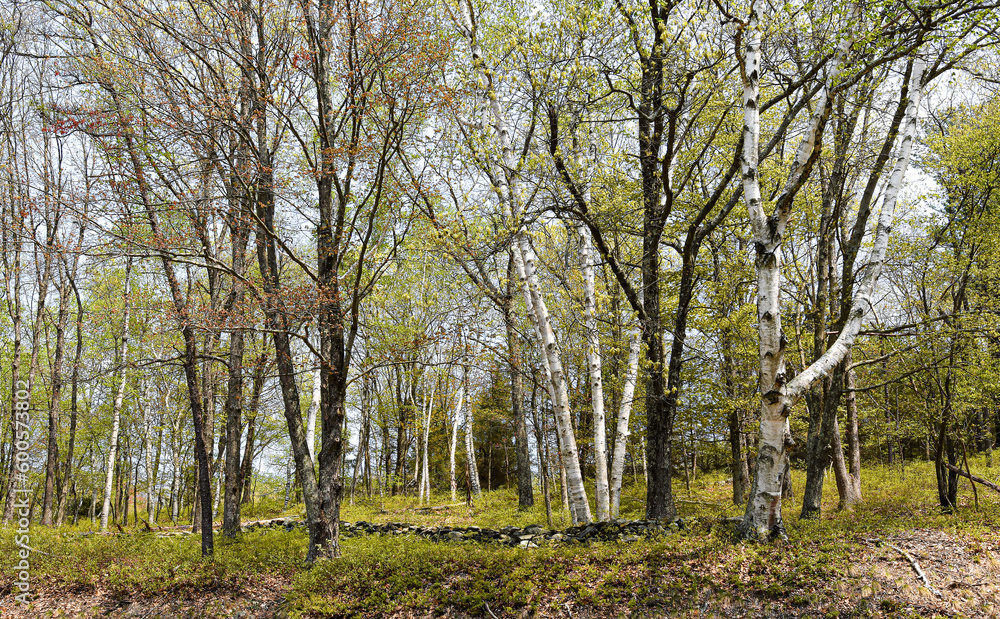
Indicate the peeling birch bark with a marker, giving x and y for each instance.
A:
(778, 395)
(454, 441)
(624, 412)
(594, 367)
(524, 258)
(470, 450)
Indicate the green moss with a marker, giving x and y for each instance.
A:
(698, 568)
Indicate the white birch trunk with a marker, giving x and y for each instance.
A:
(454, 440)
(425, 486)
(524, 259)
(116, 407)
(579, 504)
(470, 452)
(622, 432)
(594, 367)
(763, 513)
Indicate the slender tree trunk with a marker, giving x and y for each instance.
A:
(587, 257)
(579, 504)
(234, 388)
(853, 441)
(425, 489)
(541, 446)
(525, 492)
(116, 407)
(848, 474)
(454, 440)
(175, 478)
(624, 412)
(52, 451)
(824, 440)
(257, 388)
(470, 451)
(147, 436)
(68, 479)
(155, 515)
(738, 463)
(363, 438)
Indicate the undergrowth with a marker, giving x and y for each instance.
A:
(380, 575)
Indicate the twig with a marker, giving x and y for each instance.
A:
(914, 565)
(490, 611)
(35, 550)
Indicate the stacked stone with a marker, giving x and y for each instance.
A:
(622, 531)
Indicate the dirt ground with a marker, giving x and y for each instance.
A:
(258, 600)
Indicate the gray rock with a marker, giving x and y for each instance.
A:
(587, 533)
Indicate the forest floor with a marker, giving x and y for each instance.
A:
(846, 564)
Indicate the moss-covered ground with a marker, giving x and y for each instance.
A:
(847, 564)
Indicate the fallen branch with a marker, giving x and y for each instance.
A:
(914, 565)
(436, 508)
(978, 480)
(35, 550)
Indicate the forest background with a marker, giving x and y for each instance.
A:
(268, 256)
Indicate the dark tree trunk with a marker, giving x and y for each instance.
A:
(277, 321)
(525, 492)
(738, 462)
(234, 408)
(15, 386)
(68, 479)
(246, 469)
(52, 451)
(659, 493)
(234, 390)
(812, 496)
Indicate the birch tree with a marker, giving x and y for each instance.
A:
(524, 259)
(587, 259)
(425, 482)
(453, 444)
(116, 406)
(471, 469)
(624, 413)
(778, 393)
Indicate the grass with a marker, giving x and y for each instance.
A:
(699, 570)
